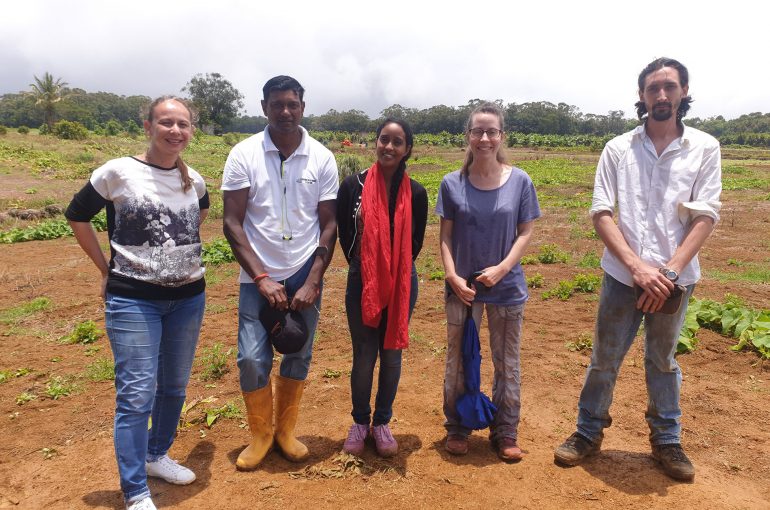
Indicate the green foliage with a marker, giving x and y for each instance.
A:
(23, 310)
(214, 361)
(583, 342)
(113, 128)
(217, 252)
(44, 129)
(535, 281)
(23, 130)
(551, 254)
(231, 139)
(24, 397)
(587, 283)
(132, 128)
(590, 260)
(527, 260)
(349, 164)
(84, 332)
(229, 411)
(58, 386)
(49, 229)
(3, 130)
(732, 319)
(6, 375)
(67, 130)
(331, 373)
(217, 100)
(101, 370)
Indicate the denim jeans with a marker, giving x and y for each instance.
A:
(255, 352)
(505, 323)
(616, 326)
(367, 345)
(153, 343)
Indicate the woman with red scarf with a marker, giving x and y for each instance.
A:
(381, 216)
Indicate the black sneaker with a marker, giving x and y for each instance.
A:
(575, 449)
(674, 461)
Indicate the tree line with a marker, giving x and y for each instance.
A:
(220, 105)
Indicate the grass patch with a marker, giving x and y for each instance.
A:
(751, 273)
(102, 369)
(15, 314)
(84, 332)
(7, 375)
(214, 361)
(58, 387)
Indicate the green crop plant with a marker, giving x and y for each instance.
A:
(84, 332)
(217, 252)
(229, 411)
(535, 281)
(58, 386)
(214, 361)
(551, 254)
(583, 342)
(15, 314)
(24, 397)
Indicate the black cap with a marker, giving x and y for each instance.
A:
(286, 330)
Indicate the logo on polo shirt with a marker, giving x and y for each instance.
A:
(304, 180)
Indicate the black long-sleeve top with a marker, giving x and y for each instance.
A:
(349, 203)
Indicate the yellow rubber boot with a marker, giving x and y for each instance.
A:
(288, 393)
(259, 408)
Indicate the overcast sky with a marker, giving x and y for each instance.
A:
(368, 55)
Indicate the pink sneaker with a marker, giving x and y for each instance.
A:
(354, 444)
(384, 440)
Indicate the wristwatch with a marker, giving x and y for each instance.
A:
(321, 251)
(669, 273)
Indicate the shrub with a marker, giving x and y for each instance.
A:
(132, 128)
(231, 138)
(348, 164)
(85, 332)
(551, 254)
(3, 130)
(113, 128)
(44, 129)
(23, 130)
(67, 130)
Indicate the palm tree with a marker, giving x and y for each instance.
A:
(47, 92)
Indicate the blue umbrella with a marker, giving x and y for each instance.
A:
(475, 409)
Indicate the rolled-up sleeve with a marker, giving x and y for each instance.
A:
(605, 183)
(708, 187)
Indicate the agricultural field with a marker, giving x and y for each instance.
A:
(57, 398)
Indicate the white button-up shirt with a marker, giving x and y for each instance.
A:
(657, 197)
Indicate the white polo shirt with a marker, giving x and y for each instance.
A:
(657, 197)
(281, 220)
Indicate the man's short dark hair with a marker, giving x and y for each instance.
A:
(282, 83)
(684, 80)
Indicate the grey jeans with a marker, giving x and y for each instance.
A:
(504, 341)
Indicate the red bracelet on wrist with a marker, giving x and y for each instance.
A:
(259, 277)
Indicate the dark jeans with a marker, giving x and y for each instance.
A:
(367, 344)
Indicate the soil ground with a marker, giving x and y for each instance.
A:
(724, 400)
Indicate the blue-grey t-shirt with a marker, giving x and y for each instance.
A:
(485, 228)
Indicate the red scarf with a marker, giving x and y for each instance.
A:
(386, 268)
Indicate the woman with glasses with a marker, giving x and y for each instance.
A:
(487, 211)
(153, 288)
(381, 215)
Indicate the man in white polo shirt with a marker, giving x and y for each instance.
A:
(665, 180)
(280, 190)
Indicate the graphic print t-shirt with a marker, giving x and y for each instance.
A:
(153, 227)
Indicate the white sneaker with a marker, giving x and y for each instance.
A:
(142, 504)
(168, 469)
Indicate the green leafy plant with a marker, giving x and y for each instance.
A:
(581, 282)
(349, 164)
(535, 281)
(67, 130)
(101, 370)
(84, 332)
(217, 252)
(58, 386)
(332, 374)
(563, 291)
(214, 361)
(6, 375)
(23, 130)
(590, 260)
(551, 254)
(18, 312)
(49, 229)
(583, 342)
(229, 411)
(24, 397)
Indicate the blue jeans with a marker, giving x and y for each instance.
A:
(255, 352)
(367, 344)
(616, 326)
(153, 343)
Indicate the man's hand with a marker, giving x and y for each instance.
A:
(306, 296)
(492, 275)
(274, 292)
(652, 281)
(648, 303)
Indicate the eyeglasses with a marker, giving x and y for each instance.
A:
(478, 133)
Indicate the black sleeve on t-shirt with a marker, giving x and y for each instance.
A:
(85, 204)
(419, 217)
(345, 220)
(203, 202)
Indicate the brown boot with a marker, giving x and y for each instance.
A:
(259, 408)
(288, 393)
